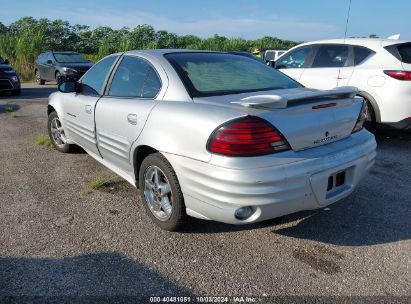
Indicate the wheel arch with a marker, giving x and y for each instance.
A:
(373, 103)
(140, 153)
(50, 109)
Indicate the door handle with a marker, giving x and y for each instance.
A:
(132, 119)
(88, 109)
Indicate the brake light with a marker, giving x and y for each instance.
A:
(362, 118)
(399, 75)
(247, 136)
(323, 106)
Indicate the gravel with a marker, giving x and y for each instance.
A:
(59, 237)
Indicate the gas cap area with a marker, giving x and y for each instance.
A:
(376, 81)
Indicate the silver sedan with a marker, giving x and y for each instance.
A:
(215, 136)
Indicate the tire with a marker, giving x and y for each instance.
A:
(371, 122)
(38, 78)
(58, 139)
(151, 193)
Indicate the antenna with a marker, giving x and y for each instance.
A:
(348, 19)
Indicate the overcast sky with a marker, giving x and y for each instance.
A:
(299, 20)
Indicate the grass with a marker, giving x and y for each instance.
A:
(98, 182)
(43, 140)
(8, 109)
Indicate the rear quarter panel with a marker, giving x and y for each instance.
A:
(183, 128)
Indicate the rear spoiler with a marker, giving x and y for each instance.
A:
(282, 101)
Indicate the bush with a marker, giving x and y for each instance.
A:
(26, 38)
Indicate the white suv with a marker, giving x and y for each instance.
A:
(380, 68)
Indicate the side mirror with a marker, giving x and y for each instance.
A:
(49, 61)
(6, 61)
(69, 87)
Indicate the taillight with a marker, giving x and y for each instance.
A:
(362, 118)
(247, 136)
(399, 75)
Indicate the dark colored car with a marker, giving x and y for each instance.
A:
(9, 80)
(60, 66)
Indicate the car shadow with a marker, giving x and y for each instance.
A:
(351, 223)
(392, 139)
(378, 212)
(35, 92)
(371, 215)
(94, 278)
(195, 225)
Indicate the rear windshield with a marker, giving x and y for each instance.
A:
(69, 58)
(211, 74)
(405, 52)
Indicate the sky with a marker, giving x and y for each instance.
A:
(298, 20)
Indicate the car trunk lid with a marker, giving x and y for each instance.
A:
(307, 118)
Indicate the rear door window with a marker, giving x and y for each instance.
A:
(296, 59)
(135, 77)
(361, 54)
(331, 56)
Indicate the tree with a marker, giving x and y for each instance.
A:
(142, 36)
(166, 40)
(3, 29)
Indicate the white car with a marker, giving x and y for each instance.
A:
(379, 68)
(273, 55)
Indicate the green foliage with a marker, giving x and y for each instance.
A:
(43, 140)
(3, 29)
(26, 38)
(97, 182)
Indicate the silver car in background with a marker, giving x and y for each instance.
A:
(214, 135)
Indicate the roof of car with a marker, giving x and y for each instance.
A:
(370, 42)
(157, 52)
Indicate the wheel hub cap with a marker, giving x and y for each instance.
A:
(157, 192)
(57, 132)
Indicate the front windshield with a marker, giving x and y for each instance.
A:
(69, 58)
(212, 74)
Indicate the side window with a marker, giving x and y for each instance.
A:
(50, 56)
(360, 54)
(295, 59)
(135, 77)
(93, 81)
(331, 56)
(152, 85)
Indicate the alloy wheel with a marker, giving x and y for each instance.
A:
(57, 132)
(158, 194)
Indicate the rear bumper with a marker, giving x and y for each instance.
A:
(300, 183)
